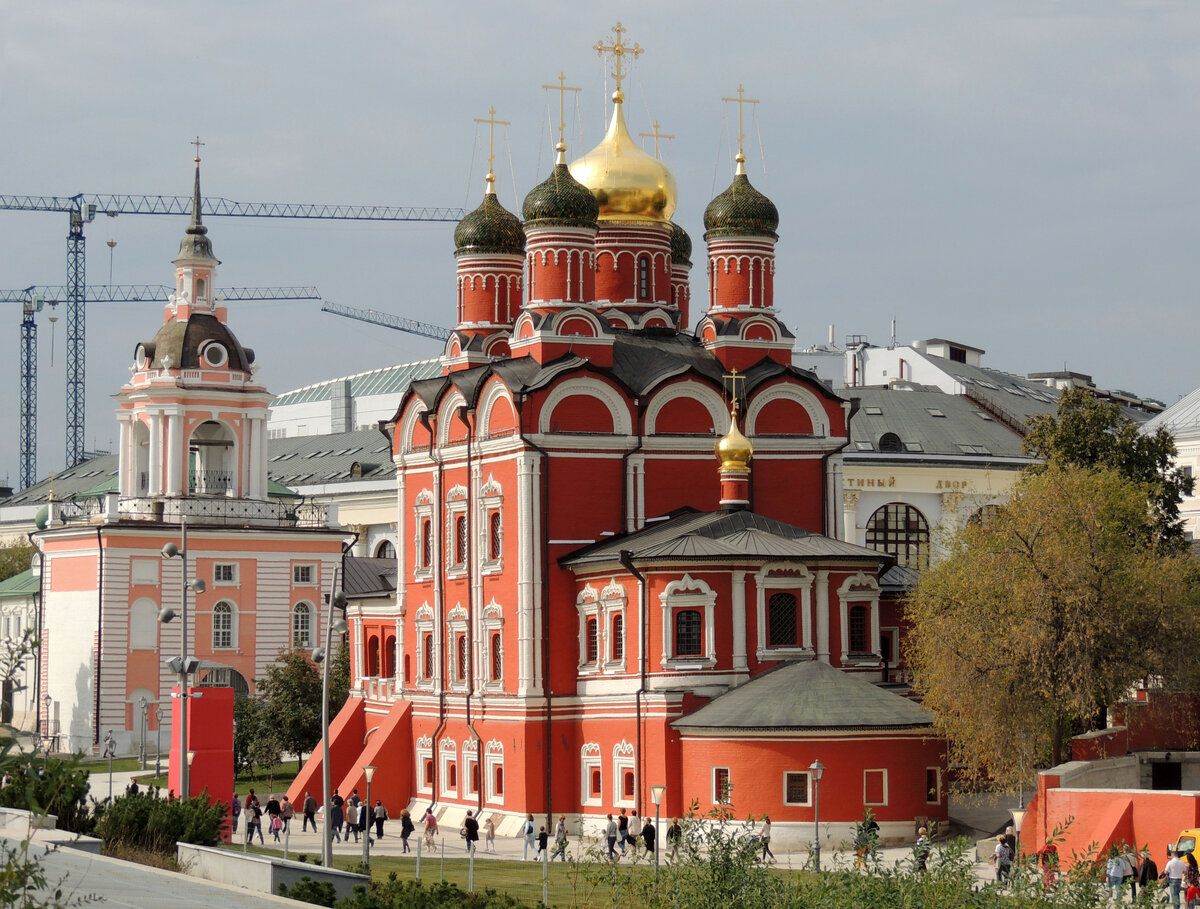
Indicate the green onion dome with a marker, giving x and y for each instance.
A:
(560, 200)
(681, 245)
(491, 228)
(741, 211)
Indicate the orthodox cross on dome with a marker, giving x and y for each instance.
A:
(196, 142)
(657, 135)
(732, 390)
(618, 50)
(741, 100)
(562, 88)
(491, 121)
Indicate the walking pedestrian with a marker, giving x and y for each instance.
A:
(922, 848)
(560, 839)
(542, 840)
(633, 835)
(622, 830)
(529, 831)
(287, 811)
(352, 811)
(236, 810)
(649, 834)
(310, 813)
(1174, 869)
(1001, 858)
(380, 816)
(765, 838)
(674, 839)
(611, 831)
(254, 823)
(337, 815)
(471, 832)
(406, 828)
(489, 841)
(431, 827)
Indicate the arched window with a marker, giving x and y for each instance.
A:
(373, 656)
(858, 629)
(461, 660)
(643, 278)
(426, 543)
(689, 638)
(427, 656)
(460, 540)
(302, 625)
(385, 550)
(389, 656)
(592, 632)
(890, 442)
(497, 657)
(781, 620)
(618, 637)
(222, 626)
(902, 532)
(494, 536)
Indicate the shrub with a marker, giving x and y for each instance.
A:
(148, 821)
(319, 893)
(49, 785)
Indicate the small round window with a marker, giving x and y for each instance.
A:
(215, 354)
(139, 357)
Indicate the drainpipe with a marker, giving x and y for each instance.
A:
(628, 508)
(439, 593)
(463, 415)
(99, 630)
(545, 630)
(644, 622)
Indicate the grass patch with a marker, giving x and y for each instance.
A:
(263, 781)
(96, 766)
(127, 853)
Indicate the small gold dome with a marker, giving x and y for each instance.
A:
(734, 449)
(629, 184)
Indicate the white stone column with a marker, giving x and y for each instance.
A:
(875, 642)
(126, 465)
(822, 584)
(176, 483)
(255, 461)
(850, 519)
(739, 622)
(835, 508)
(527, 506)
(155, 486)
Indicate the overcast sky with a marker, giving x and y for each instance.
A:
(1019, 175)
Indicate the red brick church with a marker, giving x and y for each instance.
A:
(592, 599)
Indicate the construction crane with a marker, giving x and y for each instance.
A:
(388, 320)
(82, 209)
(33, 299)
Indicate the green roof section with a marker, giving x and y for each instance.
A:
(389, 380)
(20, 586)
(279, 491)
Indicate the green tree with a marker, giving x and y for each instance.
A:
(339, 678)
(1046, 613)
(255, 742)
(1088, 432)
(291, 702)
(15, 556)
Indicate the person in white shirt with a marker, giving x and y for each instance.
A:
(1174, 870)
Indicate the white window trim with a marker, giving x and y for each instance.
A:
(808, 789)
(233, 625)
(144, 572)
(590, 760)
(588, 605)
(624, 760)
(882, 770)
(456, 507)
(422, 512)
(787, 577)
(424, 753)
(315, 578)
(447, 755)
(456, 624)
(422, 625)
(312, 625)
(860, 589)
(716, 796)
(217, 566)
(494, 757)
(688, 593)
(470, 759)
(613, 602)
(493, 623)
(491, 499)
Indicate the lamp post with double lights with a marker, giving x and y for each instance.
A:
(49, 703)
(368, 772)
(144, 706)
(158, 715)
(322, 655)
(182, 665)
(817, 769)
(656, 796)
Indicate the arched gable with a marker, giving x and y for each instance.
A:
(686, 407)
(782, 405)
(413, 434)
(451, 430)
(496, 408)
(585, 405)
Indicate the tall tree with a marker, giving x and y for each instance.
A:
(291, 697)
(1044, 614)
(1088, 432)
(15, 556)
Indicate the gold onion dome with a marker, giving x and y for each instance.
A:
(491, 228)
(560, 200)
(734, 449)
(628, 184)
(741, 211)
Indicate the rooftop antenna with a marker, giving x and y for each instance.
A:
(893, 344)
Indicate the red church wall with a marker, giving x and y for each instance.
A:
(581, 413)
(684, 415)
(782, 416)
(789, 490)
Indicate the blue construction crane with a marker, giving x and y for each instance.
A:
(388, 320)
(34, 299)
(82, 209)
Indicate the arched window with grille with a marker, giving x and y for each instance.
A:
(902, 532)
(426, 543)
(618, 637)
(496, 655)
(302, 625)
(858, 629)
(643, 278)
(689, 636)
(460, 540)
(592, 635)
(222, 626)
(781, 620)
(385, 550)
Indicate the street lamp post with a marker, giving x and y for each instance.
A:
(145, 708)
(1018, 816)
(337, 600)
(368, 772)
(109, 748)
(157, 741)
(49, 702)
(183, 665)
(656, 796)
(817, 769)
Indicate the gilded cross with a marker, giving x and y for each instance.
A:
(618, 51)
(491, 121)
(196, 142)
(657, 135)
(562, 88)
(741, 100)
(732, 379)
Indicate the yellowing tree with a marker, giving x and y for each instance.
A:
(1044, 614)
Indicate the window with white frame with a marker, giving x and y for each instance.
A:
(783, 611)
(457, 655)
(612, 603)
(448, 768)
(426, 646)
(424, 546)
(587, 603)
(470, 762)
(225, 573)
(302, 625)
(424, 752)
(688, 624)
(591, 775)
(875, 787)
(493, 631)
(143, 624)
(304, 575)
(624, 775)
(456, 531)
(491, 533)
(858, 597)
(493, 771)
(722, 786)
(795, 788)
(222, 626)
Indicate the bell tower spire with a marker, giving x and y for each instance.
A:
(195, 266)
